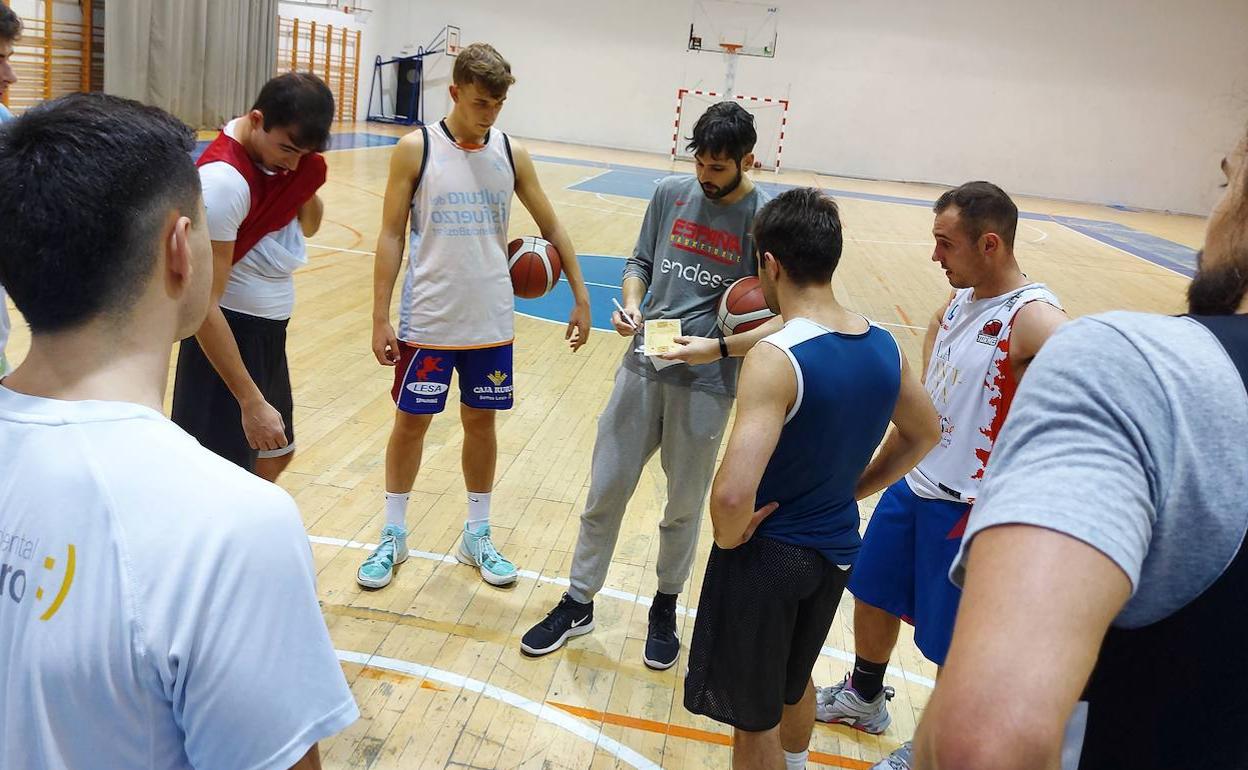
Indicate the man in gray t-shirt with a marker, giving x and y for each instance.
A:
(1116, 501)
(694, 242)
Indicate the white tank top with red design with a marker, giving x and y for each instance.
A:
(971, 383)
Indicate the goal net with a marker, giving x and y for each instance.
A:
(770, 117)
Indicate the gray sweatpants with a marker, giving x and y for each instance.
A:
(643, 415)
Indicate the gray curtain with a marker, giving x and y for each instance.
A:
(202, 60)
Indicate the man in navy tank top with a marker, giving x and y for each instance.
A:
(977, 347)
(1103, 622)
(815, 401)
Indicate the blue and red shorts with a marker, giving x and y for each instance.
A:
(903, 566)
(422, 378)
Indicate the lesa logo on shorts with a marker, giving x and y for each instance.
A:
(428, 388)
(15, 581)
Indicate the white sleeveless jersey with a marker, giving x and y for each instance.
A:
(971, 384)
(457, 291)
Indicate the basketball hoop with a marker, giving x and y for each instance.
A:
(730, 49)
(359, 14)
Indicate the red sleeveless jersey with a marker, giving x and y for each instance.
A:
(275, 198)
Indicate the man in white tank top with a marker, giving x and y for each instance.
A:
(455, 179)
(977, 347)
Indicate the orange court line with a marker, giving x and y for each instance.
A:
(368, 672)
(694, 734)
(902, 315)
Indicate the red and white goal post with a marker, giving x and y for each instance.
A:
(771, 117)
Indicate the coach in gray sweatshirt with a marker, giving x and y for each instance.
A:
(695, 241)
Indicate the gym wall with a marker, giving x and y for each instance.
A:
(1118, 102)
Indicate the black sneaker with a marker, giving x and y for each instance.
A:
(568, 618)
(662, 644)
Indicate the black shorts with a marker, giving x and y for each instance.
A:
(763, 616)
(204, 407)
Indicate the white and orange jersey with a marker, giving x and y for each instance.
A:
(457, 291)
(971, 383)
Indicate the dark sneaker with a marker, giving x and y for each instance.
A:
(569, 618)
(662, 644)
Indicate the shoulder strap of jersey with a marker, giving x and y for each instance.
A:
(424, 157)
(1232, 334)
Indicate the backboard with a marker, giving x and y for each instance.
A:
(738, 28)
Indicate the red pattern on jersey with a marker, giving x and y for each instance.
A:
(1006, 385)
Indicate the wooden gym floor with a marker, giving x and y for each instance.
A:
(434, 659)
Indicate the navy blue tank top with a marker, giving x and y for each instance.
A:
(847, 386)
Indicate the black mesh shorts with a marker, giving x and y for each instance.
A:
(204, 407)
(763, 616)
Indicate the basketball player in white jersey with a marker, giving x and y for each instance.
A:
(977, 348)
(456, 179)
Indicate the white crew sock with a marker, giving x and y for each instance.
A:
(396, 509)
(478, 510)
(796, 761)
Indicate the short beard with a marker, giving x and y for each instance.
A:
(724, 192)
(1216, 290)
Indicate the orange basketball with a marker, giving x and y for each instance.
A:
(535, 266)
(743, 307)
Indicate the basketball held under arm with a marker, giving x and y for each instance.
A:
(529, 191)
(1034, 610)
(765, 393)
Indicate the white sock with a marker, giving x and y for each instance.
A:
(396, 509)
(796, 761)
(478, 510)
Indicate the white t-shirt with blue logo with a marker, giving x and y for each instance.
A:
(158, 604)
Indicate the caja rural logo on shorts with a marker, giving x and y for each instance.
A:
(21, 571)
(496, 391)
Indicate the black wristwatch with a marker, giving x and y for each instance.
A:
(723, 348)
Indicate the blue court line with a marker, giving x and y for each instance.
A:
(603, 277)
(634, 182)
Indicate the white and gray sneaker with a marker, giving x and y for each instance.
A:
(841, 704)
(900, 759)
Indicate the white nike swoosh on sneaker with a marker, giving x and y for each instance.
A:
(580, 622)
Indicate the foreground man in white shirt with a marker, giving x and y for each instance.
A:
(131, 631)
